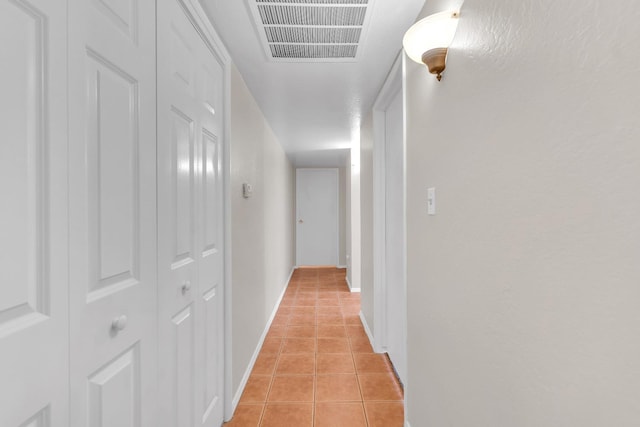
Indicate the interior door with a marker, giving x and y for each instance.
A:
(34, 337)
(317, 217)
(395, 236)
(190, 257)
(113, 297)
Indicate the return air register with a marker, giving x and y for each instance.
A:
(311, 30)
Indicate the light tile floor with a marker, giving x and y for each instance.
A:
(316, 366)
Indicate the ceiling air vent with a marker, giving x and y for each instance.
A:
(311, 30)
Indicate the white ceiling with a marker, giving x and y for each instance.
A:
(315, 108)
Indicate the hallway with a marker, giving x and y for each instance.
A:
(316, 366)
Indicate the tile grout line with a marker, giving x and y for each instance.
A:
(294, 298)
(355, 365)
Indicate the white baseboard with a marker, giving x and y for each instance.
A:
(367, 330)
(247, 373)
(354, 290)
(341, 266)
(351, 289)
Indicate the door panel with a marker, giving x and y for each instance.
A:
(22, 153)
(212, 356)
(34, 337)
(190, 219)
(114, 184)
(114, 392)
(113, 290)
(183, 181)
(183, 371)
(211, 194)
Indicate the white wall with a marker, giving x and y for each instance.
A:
(262, 226)
(523, 290)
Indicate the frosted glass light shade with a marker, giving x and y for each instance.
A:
(434, 31)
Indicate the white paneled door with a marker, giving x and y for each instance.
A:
(111, 230)
(317, 217)
(112, 140)
(34, 341)
(190, 218)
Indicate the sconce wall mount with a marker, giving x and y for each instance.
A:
(436, 60)
(428, 40)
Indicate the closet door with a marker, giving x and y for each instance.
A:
(190, 81)
(34, 337)
(113, 292)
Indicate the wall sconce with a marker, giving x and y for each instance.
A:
(428, 40)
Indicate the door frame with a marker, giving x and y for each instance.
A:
(196, 14)
(392, 85)
(337, 248)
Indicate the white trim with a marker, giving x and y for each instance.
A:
(337, 171)
(390, 88)
(348, 282)
(201, 22)
(406, 423)
(228, 280)
(341, 266)
(368, 332)
(403, 73)
(256, 353)
(393, 84)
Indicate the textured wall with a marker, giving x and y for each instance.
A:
(524, 289)
(262, 226)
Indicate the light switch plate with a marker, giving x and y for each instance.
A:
(247, 190)
(431, 201)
